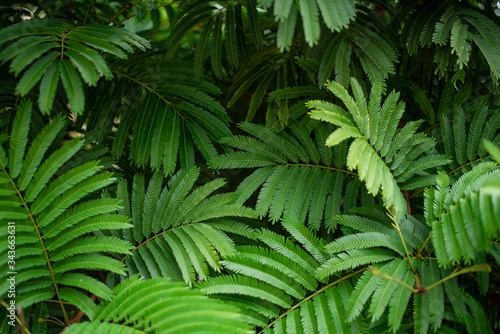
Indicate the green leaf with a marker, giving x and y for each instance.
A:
(48, 87)
(19, 137)
(459, 43)
(28, 56)
(73, 86)
(493, 150)
(31, 77)
(282, 9)
(85, 67)
(337, 14)
(310, 19)
(286, 29)
(353, 259)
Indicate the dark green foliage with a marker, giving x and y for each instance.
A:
(56, 41)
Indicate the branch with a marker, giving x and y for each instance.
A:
(126, 6)
(478, 267)
(78, 317)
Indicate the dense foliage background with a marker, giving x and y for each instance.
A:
(270, 166)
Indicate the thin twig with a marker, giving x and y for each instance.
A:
(128, 5)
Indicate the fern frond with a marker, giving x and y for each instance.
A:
(39, 195)
(168, 306)
(353, 259)
(169, 226)
(463, 227)
(364, 240)
(386, 289)
(375, 127)
(399, 302)
(179, 106)
(310, 20)
(19, 137)
(245, 286)
(337, 16)
(363, 289)
(444, 26)
(57, 34)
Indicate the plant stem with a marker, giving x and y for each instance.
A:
(425, 243)
(469, 163)
(23, 328)
(127, 5)
(152, 90)
(478, 267)
(396, 225)
(313, 295)
(377, 272)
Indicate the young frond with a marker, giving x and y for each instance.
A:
(275, 277)
(380, 152)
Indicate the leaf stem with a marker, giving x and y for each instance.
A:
(377, 272)
(478, 267)
(152, 90)
(425, 243)
(396, 225)
(469, 163)
(313, 295)
(40, 239)
(4, 304)
(325, 167)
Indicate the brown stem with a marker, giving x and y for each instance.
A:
(78, 317)
(127, 6)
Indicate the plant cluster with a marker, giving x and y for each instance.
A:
(250, 166)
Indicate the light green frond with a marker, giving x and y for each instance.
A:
(282, 9)
(286, 29)
(466, 226)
